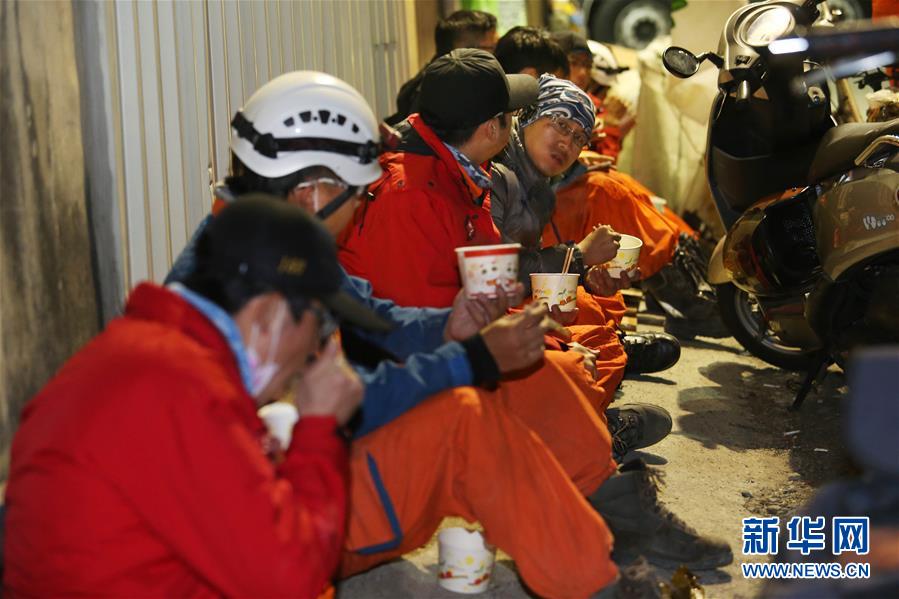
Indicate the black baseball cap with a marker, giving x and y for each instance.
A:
(467, 87)
(280, 247)
(572, 42)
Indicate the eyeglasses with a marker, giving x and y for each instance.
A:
(345, 193)
(341, 185)
(565, 130)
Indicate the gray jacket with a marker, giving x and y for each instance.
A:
(522, 203)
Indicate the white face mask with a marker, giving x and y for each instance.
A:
(262, 374)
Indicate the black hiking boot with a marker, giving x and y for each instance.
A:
(649, 352)
(637, 580)
(628, 502)
(635, 426)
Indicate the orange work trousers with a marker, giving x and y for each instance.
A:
(645, 195)
(519, 460)
(609, 365)
(600, 310)
(603, 198)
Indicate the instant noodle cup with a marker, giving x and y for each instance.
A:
(465, 563)
(555, 289)
(279, 417)
(626, 258)
(483, 267)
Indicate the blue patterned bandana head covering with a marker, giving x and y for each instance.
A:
(564, 98)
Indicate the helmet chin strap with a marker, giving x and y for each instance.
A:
(337, 202)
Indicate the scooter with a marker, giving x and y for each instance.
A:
(809, 267)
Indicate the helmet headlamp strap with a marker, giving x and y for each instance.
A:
(335, 204)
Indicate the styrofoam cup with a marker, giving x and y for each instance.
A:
(626, 258)
(280, 417)
(465, 561)
(483, 267)
(659, 203)
(555, 289)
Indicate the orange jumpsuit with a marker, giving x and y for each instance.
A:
(500, 458)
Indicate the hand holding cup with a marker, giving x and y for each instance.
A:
(516, 340)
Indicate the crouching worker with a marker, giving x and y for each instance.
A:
(140, 469)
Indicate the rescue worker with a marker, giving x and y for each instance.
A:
(433, 197)
(140, 469)
(545, 141)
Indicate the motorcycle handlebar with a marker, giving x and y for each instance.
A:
(858, 38)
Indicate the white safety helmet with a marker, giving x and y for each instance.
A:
(306, 118)
(605, 68)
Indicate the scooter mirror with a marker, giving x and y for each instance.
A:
(680, 62)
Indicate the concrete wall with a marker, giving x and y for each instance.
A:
(48, 305)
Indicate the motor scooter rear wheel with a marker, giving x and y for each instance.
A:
(743, 317)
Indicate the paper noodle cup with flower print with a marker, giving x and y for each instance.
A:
(555, 289)
(626, 258)
(465, 561)
(483, 267)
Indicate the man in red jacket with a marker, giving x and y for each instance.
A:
(141, 469)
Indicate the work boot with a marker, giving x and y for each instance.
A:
(649, 352)
(637, 580)
(628, 501)
(635, 426)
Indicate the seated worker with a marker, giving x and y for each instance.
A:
(139, 469)
(672, 263)
(504, 459)
(434, 197)
(544, 143)
(615, 117)
(531, 51)
(462, 29)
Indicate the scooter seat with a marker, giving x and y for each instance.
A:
(841, 145)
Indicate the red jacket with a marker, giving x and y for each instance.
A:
(138, 471)
(424, 207)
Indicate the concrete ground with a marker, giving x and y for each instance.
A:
(735, 451)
